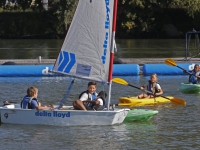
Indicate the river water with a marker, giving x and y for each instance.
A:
(174, 127)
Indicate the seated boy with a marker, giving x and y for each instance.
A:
(89, 94)
(30, 100)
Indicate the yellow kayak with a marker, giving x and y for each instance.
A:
(134, 101)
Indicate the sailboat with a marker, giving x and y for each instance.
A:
(87, 53)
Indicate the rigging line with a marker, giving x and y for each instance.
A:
(66, 94)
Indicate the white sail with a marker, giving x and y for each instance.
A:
(85, 52)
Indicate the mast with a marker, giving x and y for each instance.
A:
(112, 51)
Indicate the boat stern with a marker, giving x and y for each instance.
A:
(120, 116)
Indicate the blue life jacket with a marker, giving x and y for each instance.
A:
(192, 77)
(26, 102)
(93, 95)
(149, 88)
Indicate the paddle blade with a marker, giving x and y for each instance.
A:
(119, 81)
(170, 62)
(178, 100)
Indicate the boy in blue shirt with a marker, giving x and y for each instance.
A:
(30, 100)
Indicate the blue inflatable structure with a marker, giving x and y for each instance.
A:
(43, 70)
(25, 70)
(118, 70)
(163, 69)
(126, 69)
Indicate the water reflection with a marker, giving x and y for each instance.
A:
(126, 48)
(29, 49)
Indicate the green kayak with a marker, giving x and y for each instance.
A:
(140, 115)
(189, 88)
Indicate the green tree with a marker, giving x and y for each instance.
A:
(64, 10)
(136, 16)
(192, 7)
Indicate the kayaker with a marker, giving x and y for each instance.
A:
(30, 100)
(153, 87)
(194, 76)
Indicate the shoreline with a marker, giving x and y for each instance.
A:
(140, 61)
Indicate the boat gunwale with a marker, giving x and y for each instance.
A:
(67, 110)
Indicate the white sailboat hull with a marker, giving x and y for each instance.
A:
(12, 114)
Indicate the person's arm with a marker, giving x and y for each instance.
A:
(143, 87)
(198, 75)
(38, 107)
(84, 97)
(90, 101)
(43, 107)
(98, 101)
(160, 91)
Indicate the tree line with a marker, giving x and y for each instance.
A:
(135, 18)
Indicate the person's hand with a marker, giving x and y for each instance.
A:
(184, 71)
(51, 108)
(155, 95)
(141, 88)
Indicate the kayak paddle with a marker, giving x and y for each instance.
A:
(171, 62)
(123, 82)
